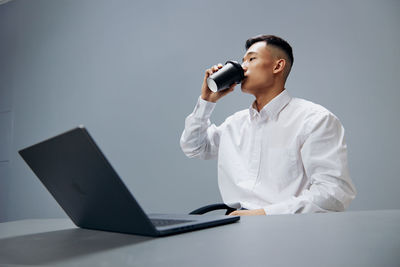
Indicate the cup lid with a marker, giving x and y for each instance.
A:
(238, 67)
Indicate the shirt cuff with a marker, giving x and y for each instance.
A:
(278, 208)
(203, 109)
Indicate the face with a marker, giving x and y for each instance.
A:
(258, 65)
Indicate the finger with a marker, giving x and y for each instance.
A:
(230, 89)
(235, 213)
(220, 65)
(215, 68)
(208, 72)
(226, 91)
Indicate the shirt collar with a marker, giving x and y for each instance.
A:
(272, 109)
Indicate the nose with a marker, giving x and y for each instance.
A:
(244, 67)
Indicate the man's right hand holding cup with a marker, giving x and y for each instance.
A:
(206, 93)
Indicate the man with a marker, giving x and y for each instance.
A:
(283, 155)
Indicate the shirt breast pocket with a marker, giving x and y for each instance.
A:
(283, 166)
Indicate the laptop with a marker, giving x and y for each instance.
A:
(77, 174)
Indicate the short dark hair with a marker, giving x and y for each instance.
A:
(274, 41)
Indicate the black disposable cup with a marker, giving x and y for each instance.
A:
(232, 72)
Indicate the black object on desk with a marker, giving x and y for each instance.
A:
(74, 170)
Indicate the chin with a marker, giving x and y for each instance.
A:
(244, 89)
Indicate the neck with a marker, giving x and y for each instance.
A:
(265, 97)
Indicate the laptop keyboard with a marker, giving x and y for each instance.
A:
(167, 222)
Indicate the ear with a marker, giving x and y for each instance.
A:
(279, 66)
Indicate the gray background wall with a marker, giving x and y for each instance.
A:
(131, 72)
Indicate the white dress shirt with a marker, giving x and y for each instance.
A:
(291, 157)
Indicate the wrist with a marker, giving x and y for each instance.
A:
(208, 98)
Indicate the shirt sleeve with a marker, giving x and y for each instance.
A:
(200, 138)
(324, 156)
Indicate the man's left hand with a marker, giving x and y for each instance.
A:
(247, 212)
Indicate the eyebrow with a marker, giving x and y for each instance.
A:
(250, 53)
